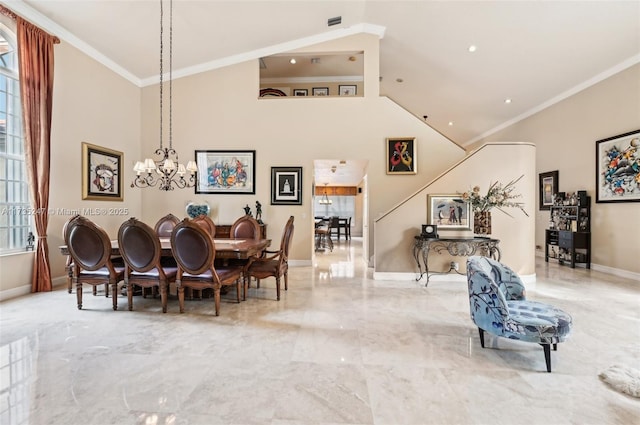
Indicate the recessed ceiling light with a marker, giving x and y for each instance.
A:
(292, 61)
(399, 80)
(450, 123)
(507, 101)
(472, 48)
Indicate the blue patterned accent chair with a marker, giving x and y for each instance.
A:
(498, 305)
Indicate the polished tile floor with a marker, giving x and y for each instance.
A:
(339, 348)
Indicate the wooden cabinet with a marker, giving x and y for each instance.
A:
(568, 238)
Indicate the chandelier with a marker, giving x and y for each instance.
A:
(166, 172)
(325, 199)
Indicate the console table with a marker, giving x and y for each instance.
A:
(457, 247)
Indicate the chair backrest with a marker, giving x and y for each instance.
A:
(139, 245)
(334, 221)
(88, 244)
(206, 223)
(245, 227)
(165, 225)
(487, 300)
(286, 238)
(193, 247)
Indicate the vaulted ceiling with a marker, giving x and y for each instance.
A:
(533, 53)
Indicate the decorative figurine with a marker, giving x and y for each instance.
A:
(30, 240)
(259, 212)
(247, 210)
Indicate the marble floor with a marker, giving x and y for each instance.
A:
(339, 348)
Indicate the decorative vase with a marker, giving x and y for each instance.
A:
(194, 210)
(482, 222)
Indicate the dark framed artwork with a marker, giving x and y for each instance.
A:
(101, 173)
(300, 92)
(548, 188)
(401, 155)
(320, 91)
(347, 90)
(227, 172)
(286, 185)
(449, 211)
(618, 168)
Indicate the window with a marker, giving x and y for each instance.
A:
(15, 208)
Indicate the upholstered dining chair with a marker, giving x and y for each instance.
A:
(272, 263)
(246, 227)
(195, 251)
(164, 226)
(90, 250)
(206, 223)
(68, 267)
(498, 305)
(140, 248)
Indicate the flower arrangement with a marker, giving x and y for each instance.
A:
(498, 196)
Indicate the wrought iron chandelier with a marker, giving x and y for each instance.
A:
(166, 173)
(325, 199)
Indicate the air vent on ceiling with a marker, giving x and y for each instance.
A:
(334, 21)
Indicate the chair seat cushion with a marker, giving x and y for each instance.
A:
(534, 321)
(103, 271)
(225, 274)
(269, 266)
(170, 272)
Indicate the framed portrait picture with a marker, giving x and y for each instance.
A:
(548, 188)
(401, 155)
(227, 172)
(101, 173)
(449, 212)
(320, 91)
(286, 185)
(347, 90)
(300, 92)
(618, 168)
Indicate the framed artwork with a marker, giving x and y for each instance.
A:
(300, 92)
(618, 168)
(548, 188)
(347, 90)
(101, 173)
(320, 91)
(286, 185)
(227, 172)
(449, 212)
(401, 155)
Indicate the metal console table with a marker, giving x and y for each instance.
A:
(457, 247)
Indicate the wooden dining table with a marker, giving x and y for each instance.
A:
(225, 248)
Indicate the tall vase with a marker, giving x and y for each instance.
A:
(482, 223)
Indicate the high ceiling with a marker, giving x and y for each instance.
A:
(532, 52)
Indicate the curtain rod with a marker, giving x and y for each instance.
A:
(11, 15)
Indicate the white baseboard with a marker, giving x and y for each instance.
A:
(616, 272)
(7, 294)
(300, 263)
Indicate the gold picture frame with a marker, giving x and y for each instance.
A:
(101, 173)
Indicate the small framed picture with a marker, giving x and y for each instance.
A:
(401, 155)
(449, 211)
(347, 90)
(226, 172)
(300, 92)
(101, 173)
(286, 185)
(320, 91)
(548, 189)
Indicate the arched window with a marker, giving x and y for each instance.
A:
(15, 208)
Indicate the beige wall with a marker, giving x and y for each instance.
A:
(394, 233)
(565, 136)
(91, 104)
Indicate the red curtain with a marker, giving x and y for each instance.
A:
(35, 58)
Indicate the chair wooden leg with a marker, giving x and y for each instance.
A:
(278, 288)
(245, 287)
(130, 295)
(547, 355)
(216, 299)
(481, 332)
(114, 295)
(181, 297)
(286, 281)
(555, 347)
(79, 294)
(238, 290)
(164, 289)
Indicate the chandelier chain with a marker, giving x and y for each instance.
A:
(171, 76)
(161, 70)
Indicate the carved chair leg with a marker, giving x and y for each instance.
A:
(114, 295)
(481, 332)
(278, 288)
(181, 296)
(130, 295)
(79, 294)
(163, 295)
(286, 281)
(216, 299)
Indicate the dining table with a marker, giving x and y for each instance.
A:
(225, 248)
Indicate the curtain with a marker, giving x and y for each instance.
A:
(35, 58)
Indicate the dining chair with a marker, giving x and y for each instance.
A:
(195, 251)
(345, 223)
(272, 263)
(68, 267)
(164, 226)
(246, 227)
(334, 226)
(206, 223)
(141, 250)
(90, 250)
